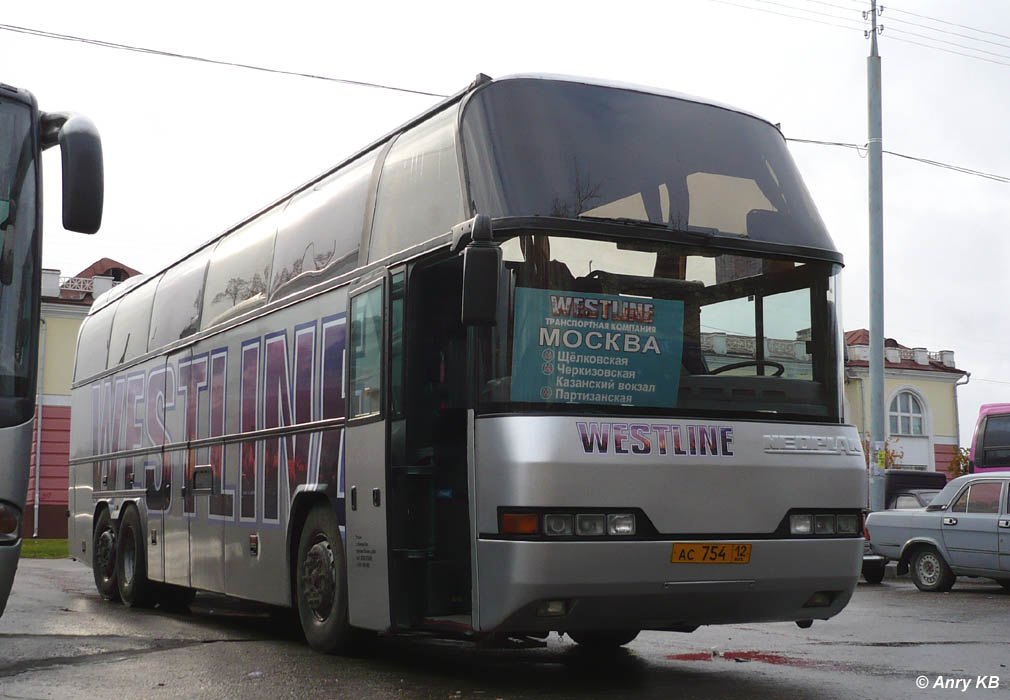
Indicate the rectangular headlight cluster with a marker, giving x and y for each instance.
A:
(570, 524)
(803, 524)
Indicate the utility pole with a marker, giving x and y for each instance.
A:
(876, 183)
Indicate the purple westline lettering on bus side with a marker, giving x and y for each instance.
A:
(276, 413)
(222, 502)
(192, 381)
(639, 438)
(134, 421)
(116, 431)
(248, 422)
(334, 338)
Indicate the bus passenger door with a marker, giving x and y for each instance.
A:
(365, 452)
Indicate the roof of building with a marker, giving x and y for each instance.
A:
(861, 336)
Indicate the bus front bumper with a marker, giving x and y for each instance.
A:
(9, 555)
(634, 585)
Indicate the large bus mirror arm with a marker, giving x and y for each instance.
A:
(482, 261)
(83, 169)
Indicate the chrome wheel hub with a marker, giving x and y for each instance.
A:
(319, 582)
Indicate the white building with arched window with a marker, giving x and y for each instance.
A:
(920, 402)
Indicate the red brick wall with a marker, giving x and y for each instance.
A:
(943, 454)
(54, 475)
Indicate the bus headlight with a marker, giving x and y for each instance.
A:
(557, 525)
(824, 524)
(10, 523)
(847, 524)
(801, 524)
(621, 523)
(591, 524)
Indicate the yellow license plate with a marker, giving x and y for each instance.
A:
(710, 553)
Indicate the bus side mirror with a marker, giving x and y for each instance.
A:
(481, 268)
(83, 169)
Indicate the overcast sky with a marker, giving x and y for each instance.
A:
(191, 147)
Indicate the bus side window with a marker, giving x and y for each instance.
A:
(131, 326)
(320, 229)
(93, 345)
(240, 270)
(178, 301)
(419, 195)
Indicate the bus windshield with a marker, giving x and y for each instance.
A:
(644, 327)
(564, 149)
(17, 255)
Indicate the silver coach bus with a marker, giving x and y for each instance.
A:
(554, 356)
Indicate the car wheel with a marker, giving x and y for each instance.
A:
(873, 572)
(321, 582)
(602, 640)
(131, 561)
(103, 557)
(930, 572)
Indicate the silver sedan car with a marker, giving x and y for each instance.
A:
(964, 531)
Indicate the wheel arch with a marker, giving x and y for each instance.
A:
(300, 508)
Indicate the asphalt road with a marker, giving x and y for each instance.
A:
(58, 639)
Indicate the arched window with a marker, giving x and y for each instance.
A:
(906, 414)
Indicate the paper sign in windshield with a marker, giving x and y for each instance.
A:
(573, 347)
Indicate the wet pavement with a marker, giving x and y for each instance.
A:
(58, 639)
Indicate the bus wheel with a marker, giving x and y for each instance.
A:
(930, 572)
(321, 582)
(601, 640)
(103, 555)
(131, 561)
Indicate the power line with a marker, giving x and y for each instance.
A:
(947, 32)
(943, 21)
(956, 53)
(950, 43)
(200, 59)
(783, 14)
(926, 161)
(813, 12)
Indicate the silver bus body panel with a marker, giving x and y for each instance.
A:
(15, 446)
(540, 461)
(757, 475)
(366, 541)
(193, 545)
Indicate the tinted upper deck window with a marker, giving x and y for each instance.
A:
(178, 300)
(93, 342)
(132, 324)
(554, 148)
(239, 270)
(419, 188)
(320, 229)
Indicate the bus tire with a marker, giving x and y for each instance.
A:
(103, 557)
(131, 561)
(602, 640)
(321, 582)
(930, 572)
(873, 571)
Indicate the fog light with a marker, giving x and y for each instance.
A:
(820, 599)
(552, 608)
(557, 525)
(621, 523)
(591, 525)
(800, 524)
(847, 524)
(10, 523)
(824, 524)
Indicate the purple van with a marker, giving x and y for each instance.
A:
(990, 446)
